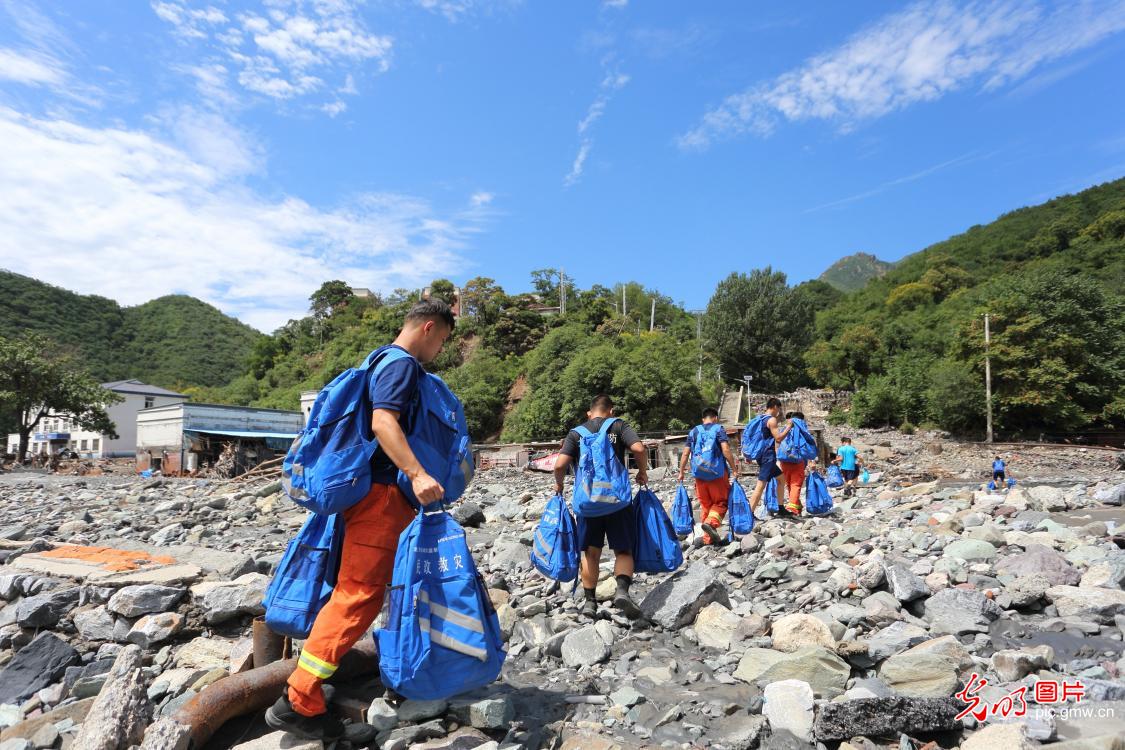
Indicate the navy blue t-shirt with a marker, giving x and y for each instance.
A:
(394, 389)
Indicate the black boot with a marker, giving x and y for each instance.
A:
(590, 606)
(623, 601)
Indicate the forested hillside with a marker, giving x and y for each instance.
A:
(175, 341)
(852, 273)
(1051, 278)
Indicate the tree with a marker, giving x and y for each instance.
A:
(330, 295)
(757, 324)
(444, 290)
(36, 382)
(481, 300)
(1058, 350)
(545, 281)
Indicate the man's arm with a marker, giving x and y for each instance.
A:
(778, 432)
(384, 423)
(684, 462)
(640, 455)
(562, 463)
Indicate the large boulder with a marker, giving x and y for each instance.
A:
(1111, 495)
(970, 550)
(1037, 559)
(797, 631)
(1015, 664)
(823, 670)
(789, 706)
(886, 717)
(959, 611)
(583, 648)
(676, 601)
(225, 600)
(46, 609)
(1098, 604)
(715, 626)
(1047, 499)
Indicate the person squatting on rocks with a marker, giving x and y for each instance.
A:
(793, 474)
(850, 461)
(618, 528)
(768, 467)
(372, 528)
(712, 493)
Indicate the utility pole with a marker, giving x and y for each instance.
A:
(562, 292)
(624, 310)
(987, 384)
(652, 316)
(699, 338)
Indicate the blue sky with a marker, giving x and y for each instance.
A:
(244, 152)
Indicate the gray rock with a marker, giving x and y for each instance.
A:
(626, 696)
(414, 712)
(508, 555)
(1112, 495)
(959, 611)
(1026, 591)
(228, 599)
(886, 717)
(99, 624)
(34, 667)
(152, 629)
(894, 639)
(468, 514)
(46, 609)
(382, 715)
(1098, 604)
(825, 672)
(905, 586)
(1045, 498)
(1108, 574)
(1015, 664)
(584, 647)
(971, 550)
(134, 601)
(1039, 560)
(789, 706)
(675, 601)
(770, 570)
(492, 713)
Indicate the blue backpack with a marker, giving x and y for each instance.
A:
(328, 467)
(799, 444)
(601, 482)
(442, 636)
(754, 442)
(554, 550)
(769, 496)
(656, 550)
(707, 461)
(740, 518)
(817, 500)
(835, 477)
(991, 485)
(305, 576)
(683, 519)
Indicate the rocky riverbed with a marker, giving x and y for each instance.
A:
(122, 598)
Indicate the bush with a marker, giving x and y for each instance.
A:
(906, 428)
(837, 416)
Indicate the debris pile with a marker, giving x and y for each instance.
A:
(122, 598)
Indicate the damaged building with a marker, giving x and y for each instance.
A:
(188, 438)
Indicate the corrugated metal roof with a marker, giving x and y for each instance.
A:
(246, 434)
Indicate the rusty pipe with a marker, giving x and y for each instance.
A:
(256, 690)
(268, 645)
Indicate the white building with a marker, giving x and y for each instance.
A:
(59, 431)
(182, 437)
(308, 398)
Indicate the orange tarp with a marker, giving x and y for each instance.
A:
(107, 557)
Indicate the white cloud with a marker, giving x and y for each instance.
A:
(334, 108)
(481, 198)
(579, 163)
(612, 82)
(30, 68)
(918, 54)
(292, 49)
(128, 215)
(615, 3)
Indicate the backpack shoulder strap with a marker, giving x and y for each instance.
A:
(606, 425)
(384, 356)
(582, 431)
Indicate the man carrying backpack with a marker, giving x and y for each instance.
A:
(603, 498)
(771, 433)
(708, 450)
(793, 469)
(372, 529)
(848, 459)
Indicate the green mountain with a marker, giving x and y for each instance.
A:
(851, 273)
(1050, 277)
(174, 341)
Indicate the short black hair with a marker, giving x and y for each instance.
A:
(795, 414)
(431, 309)
(601, 402)
(845, 440)
(710, 412)
(773, 401)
